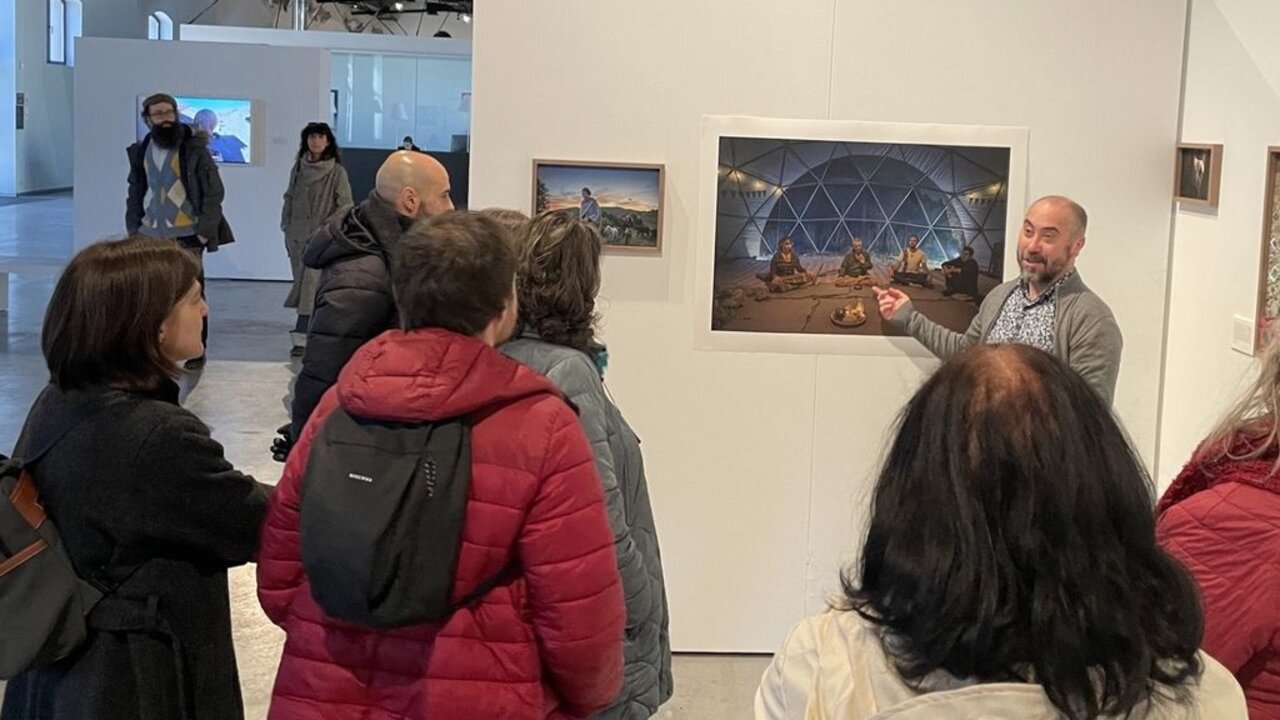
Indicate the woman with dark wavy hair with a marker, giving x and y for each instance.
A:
(1010, 570)
(557, 279)
(318, 187)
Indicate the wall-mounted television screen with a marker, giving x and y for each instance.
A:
(226, 121)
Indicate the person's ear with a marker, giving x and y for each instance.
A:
(409, 200)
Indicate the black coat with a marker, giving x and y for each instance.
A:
(353, 300)
(200, 179)
(141, 485)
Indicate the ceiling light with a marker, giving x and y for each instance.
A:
(399, 6)
(466, 17)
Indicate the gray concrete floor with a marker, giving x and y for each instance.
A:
(241, 395)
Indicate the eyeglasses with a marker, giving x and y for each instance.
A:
(162, 114)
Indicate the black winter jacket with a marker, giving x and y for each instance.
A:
(353, 300)
(140, 485)
(200, 179)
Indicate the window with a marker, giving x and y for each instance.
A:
(64, 28)
(75, 11)
(57, 31)
(159, 26)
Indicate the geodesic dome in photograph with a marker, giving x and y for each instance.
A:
(821, 194)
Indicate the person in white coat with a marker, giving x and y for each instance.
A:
(1010, 570)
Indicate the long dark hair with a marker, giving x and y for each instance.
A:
(1012, 539)
(319, 128)
(102, 325)
(558, 278)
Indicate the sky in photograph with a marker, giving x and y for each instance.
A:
(629, 189)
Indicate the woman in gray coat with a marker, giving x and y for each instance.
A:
(318, 187)
(558, 278)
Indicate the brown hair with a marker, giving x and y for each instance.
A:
(559, 279)
(156, 99)
(514, 221)
(102, 326)
(454, 271)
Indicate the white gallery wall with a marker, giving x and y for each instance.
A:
(759, 464)
(1233, 98)
(290, 86)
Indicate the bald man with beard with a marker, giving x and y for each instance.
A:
(352, 251)
(1047, 307)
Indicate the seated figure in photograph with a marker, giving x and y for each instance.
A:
(855, 270)
(785, 271)
(913, 266)
(1040, 593)
(961, 275)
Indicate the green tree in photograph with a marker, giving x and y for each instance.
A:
(541, 203)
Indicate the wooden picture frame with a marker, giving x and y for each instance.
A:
(1268, 311)
(1197, 174)
(629, 199)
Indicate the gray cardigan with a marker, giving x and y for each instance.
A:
(647, 679)
(1086, 335)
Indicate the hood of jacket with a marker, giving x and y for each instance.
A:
(371, 228)
(1203, 473)
(432, 374)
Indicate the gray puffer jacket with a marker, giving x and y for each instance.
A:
(647, 651)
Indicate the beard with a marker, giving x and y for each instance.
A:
(1046, 276)
(167, 135)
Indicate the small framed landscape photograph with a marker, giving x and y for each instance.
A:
(1198, 174)
(624, 200)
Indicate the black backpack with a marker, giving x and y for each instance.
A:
(42, 601)
(382, 510)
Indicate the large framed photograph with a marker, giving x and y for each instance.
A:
(227, 122)
(1269, 276)
(624, 200)
(1198, 175)
(802, 219)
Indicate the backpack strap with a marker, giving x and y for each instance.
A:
(26, 495)
(26, 500)
(508, 572)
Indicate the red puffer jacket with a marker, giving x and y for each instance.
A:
(545, 645)
(1222, 520)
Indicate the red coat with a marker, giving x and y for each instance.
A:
(1223, 522)
(548, 644)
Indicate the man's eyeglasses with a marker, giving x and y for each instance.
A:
(162, 114)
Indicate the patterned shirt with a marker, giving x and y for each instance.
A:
(1025, 321)
(168, 209)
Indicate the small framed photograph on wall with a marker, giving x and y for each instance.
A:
(1269, 275)
(1198, 174)
(623, 200)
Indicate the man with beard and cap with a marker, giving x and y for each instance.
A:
(353, 250)
(175, 191)
(1047, 307)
